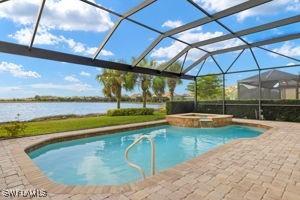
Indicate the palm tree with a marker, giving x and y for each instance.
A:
(158, 86)
(144, 81)
(145, 86)
(113, 81)
(173, 82)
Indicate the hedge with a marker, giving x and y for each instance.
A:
(130, 111)
(280, 110)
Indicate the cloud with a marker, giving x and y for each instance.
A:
(191, 36)
(58, 14)
(76, 87)
(294, 7)
(223, 44)
(217, 5)
(44, 37)
(288, 49)
(167, 51)
(17, 70)
(92, 50)
(83, 73)
(72, 78)
(172, 24)
(265, 9)
(290, 64)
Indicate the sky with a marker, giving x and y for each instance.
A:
(72, 26)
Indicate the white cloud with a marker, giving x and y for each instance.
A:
(83, 73)
(106, 53)
(277, 6)
(172, 24)
(168, 51)
(44, 37)
(265, 9)
(288, 49)
(77, 87)
(23, 36)
(72, 78)
(58, 14)
(294, 7)
(223, 44)
(191, 36)
(17, 70)
(92, 51)
(290, 64)
(217, 5)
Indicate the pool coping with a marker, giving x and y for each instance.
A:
(39, 180)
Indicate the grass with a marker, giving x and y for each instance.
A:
(70, 124)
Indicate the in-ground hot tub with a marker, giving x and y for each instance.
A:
(198, 120)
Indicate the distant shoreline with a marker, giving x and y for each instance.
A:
(28, 111)
(82, 99)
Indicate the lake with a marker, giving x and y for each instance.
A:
(28, 111)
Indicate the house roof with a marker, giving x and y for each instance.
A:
(272, 79)
(270, 75)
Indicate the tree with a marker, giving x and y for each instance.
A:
(113, 81)
(158, 86)
(208, 87)
(173, 82)
(145, 81)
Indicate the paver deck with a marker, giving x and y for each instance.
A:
(262, 168)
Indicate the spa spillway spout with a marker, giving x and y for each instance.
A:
(137, 167)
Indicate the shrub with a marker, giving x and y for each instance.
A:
(15, 128)
(130, 111)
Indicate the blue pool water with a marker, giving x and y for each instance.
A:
(100, 160)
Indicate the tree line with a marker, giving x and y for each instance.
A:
(114, 81)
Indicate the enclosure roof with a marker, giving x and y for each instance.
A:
(271, 75)
(201, 35)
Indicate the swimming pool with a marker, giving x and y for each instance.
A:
(100, 160)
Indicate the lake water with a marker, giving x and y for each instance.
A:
(28, 111)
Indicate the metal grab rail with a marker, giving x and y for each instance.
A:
(152, 155)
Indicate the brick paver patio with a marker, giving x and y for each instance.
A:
(266, 168)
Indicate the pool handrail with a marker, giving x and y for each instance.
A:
(137, 167)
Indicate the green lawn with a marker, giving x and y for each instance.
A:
(53, 126)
